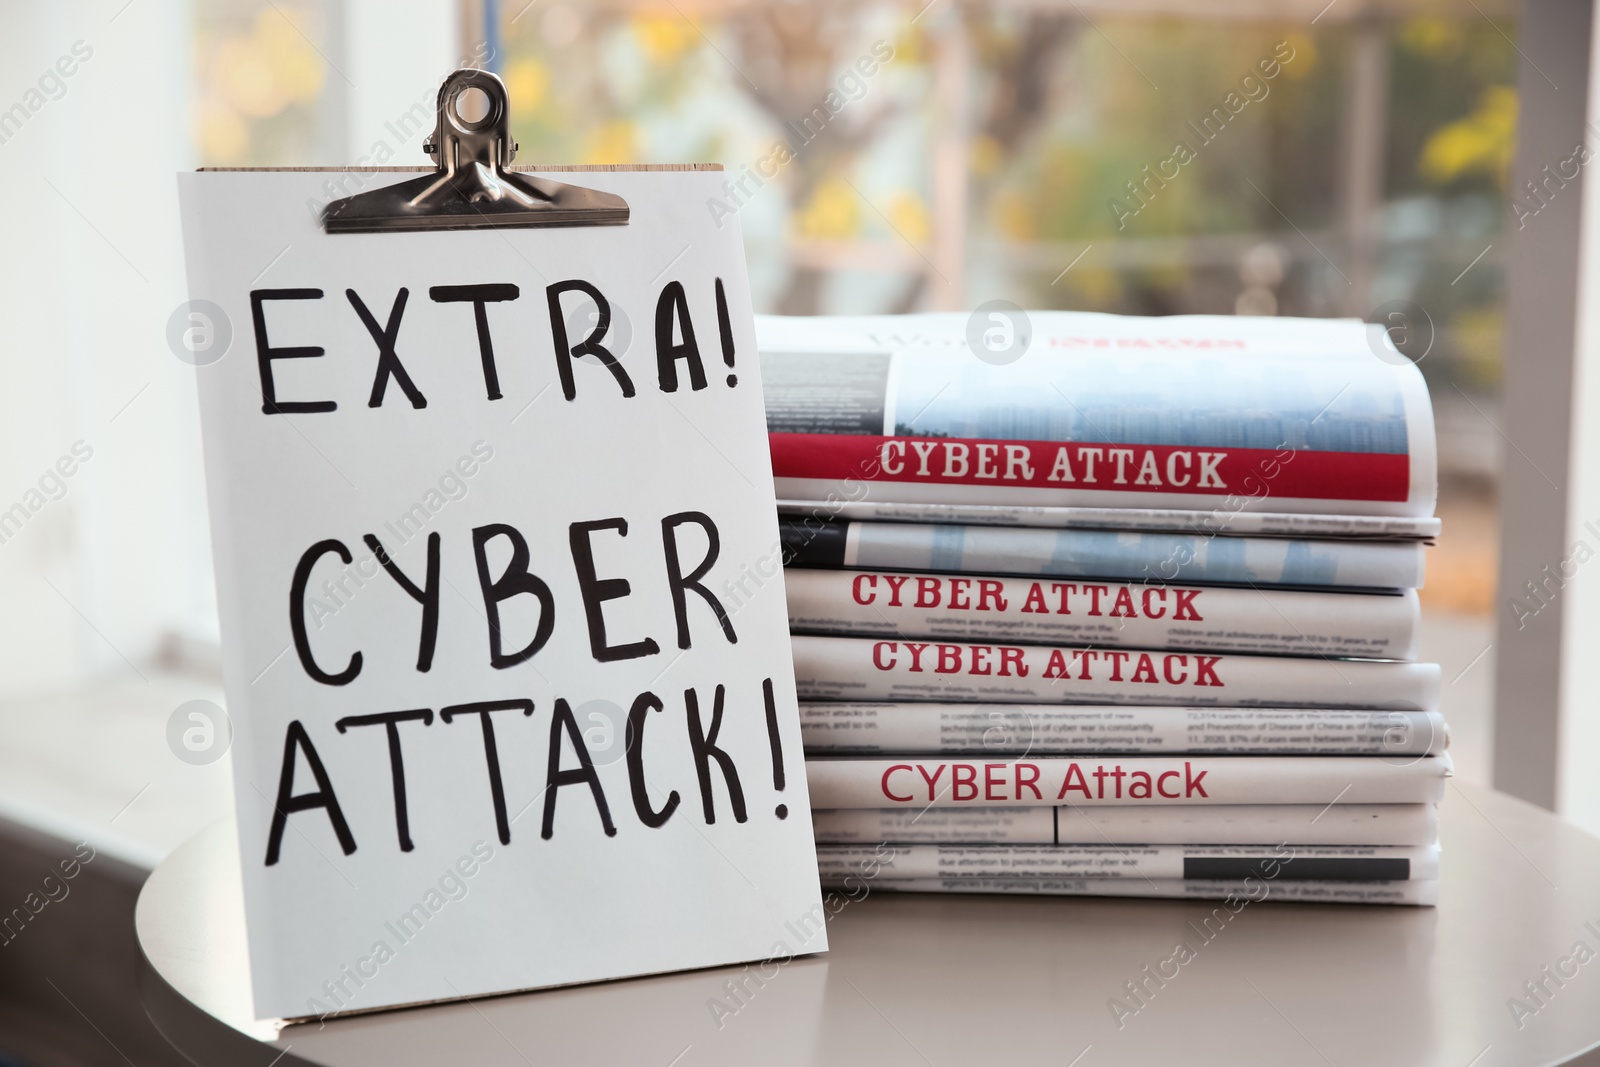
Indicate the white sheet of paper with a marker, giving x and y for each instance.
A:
(351, 921)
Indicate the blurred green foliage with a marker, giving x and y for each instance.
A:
(1064, 113)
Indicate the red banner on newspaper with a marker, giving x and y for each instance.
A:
(1254, 472)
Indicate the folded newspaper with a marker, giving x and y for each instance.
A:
(830, 728)
(1151, 556)
(850, 668)
(1204, 423)
(1104, 614)
(1366, 863)
(1133, 824)
(1237, 892)
(927, 782)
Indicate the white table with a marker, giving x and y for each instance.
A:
(961, 980)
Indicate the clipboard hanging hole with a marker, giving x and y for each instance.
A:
(472, 108)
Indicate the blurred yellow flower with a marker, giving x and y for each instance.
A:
(277, 28)
(1481, 143)
(1305, 56)
(612, 142)
(260, 74)
(1434, 38)
(986, 155)
(295, 64)
(664, 38)
(1098, 286)
(911, 47)
(1480, 337)
(301, 75)
(909, 215)
(224, 138)
(527, 82)
(1013, 216)
(244, 75)
(1168, 277)
(833, 212)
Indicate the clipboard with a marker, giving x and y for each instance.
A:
(505, 639)
(472, 187)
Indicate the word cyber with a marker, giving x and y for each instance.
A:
(516, 579)
(677, 349)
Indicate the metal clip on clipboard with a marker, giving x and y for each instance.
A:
(472, 189)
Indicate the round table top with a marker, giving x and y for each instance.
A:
(1503, 971)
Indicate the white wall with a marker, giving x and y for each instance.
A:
(91, 269)
(399, 52)
(89, 272)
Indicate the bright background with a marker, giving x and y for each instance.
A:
(982, 161)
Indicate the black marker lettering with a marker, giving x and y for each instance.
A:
(775, 743)
(265, 353)
(555, 777)
(388, 360)
(596, 591)
(515, 580)
(479, 296)
(428, 596)
(725, 333)
(589, 346)
(287, 803)
(491, 751)
(704, 745)
(678, 581)
(673, 305)
(642, 705)
(390, 721)
(297, 615)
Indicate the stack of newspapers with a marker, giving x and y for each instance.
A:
(1122, 607)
